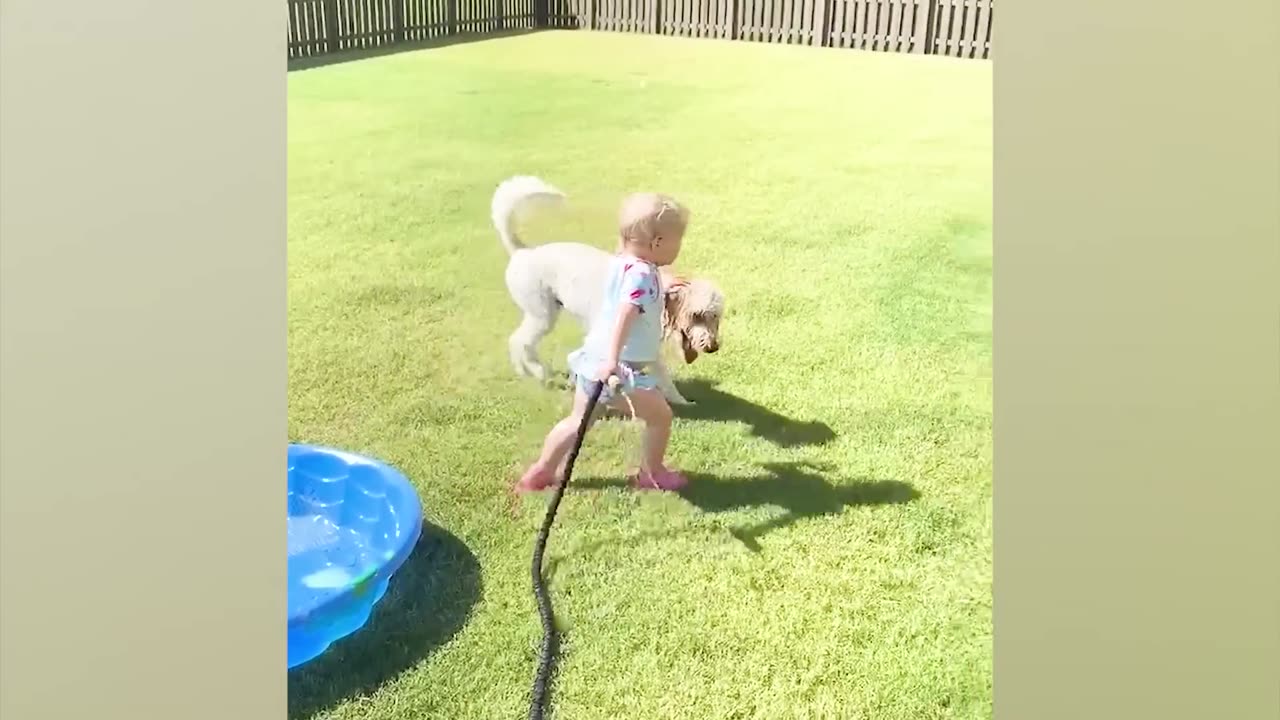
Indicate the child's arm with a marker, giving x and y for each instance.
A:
(639, 287)
(626, 315)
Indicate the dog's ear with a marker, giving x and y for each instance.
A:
(673, 297)
(689, 353)
(675, 319)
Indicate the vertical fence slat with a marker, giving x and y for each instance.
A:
(315, 28)
(920, 26)
(985, 36)
(893, 19)
(849, 27)
(862, 24)
(835, 10)
(880, 26)
(360, 24)
(861, 30)
(857, 22)
(946, 13)
(874, 20)
(356, 29)
(343, 24)
(981, 28)
(873, 23)
(294, 31)
(816, 11)
(299, 29)
(869, 16)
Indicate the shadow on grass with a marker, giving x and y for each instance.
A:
(428, 601)
(799, 488)
(342, 56)
(717, 405)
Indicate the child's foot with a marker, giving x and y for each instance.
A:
(664, 479)
(535, 479)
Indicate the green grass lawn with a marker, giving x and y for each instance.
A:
(832, 556)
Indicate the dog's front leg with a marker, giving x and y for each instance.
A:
(667, 387)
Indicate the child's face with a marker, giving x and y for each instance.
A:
(665, 249)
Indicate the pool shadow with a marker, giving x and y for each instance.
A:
(712, 404)
(428, 601)
(801, 489)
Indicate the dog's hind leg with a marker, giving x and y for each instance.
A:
(523, 343)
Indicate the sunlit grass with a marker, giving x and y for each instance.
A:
(832, 557)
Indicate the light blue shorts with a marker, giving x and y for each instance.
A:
(634, 376)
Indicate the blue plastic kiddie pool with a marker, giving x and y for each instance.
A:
(352, 523)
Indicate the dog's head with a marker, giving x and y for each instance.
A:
(691, 313)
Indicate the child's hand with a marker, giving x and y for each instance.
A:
(607, 369)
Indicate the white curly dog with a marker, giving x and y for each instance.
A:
(543, 280)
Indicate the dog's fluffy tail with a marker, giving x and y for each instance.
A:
(512, 198)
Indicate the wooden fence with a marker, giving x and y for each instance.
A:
(958, 28)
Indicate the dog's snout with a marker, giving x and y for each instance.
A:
(713, 348)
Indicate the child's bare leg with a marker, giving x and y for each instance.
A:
(651, 407)
(555, 448)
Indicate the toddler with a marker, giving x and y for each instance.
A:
(624, 342)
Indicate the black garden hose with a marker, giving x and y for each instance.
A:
(546, 657)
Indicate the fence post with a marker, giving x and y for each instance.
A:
(397, 20)
(541, 14)
(451, 17)
(735, 19)
(655, 16)
(330, 26)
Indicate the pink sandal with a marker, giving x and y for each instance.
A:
(668, 480)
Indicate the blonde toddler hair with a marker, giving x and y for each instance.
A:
(645, 217)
